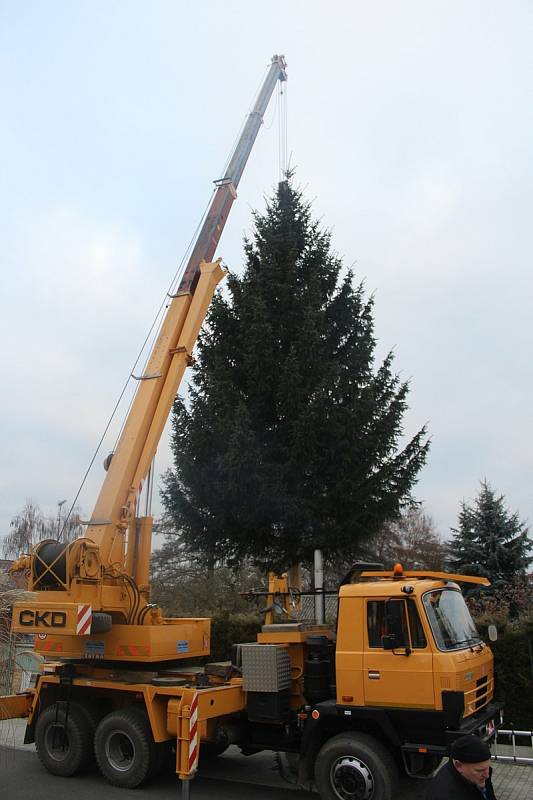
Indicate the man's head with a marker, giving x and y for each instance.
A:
(471, 758)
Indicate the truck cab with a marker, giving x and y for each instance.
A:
(410, 665)
(409, 643)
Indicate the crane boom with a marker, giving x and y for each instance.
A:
(96, 571)
(115, 506)
(226, 192)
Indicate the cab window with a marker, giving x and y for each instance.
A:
(418, 637)
(377, 623)
(375, 616)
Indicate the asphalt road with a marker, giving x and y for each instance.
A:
(230, 777)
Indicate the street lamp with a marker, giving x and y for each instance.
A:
(60, 505)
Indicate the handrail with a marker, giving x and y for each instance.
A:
(514, 758)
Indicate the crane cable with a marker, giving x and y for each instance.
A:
(282, 130)
(154, 331)
(158, 316)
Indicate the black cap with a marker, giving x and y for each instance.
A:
(470, 750)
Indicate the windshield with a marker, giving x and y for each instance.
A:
(450, 619)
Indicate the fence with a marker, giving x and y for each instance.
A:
(516, 747)
(307, 613)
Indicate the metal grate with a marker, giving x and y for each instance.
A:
(308, 608)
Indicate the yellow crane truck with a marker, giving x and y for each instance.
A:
(400, 677)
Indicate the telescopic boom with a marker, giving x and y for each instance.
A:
(94, 570)
(172, 352)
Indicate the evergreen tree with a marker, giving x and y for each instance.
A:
(490, 541)
(291, 438)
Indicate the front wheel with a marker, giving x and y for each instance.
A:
(64, 738)
(354, 766)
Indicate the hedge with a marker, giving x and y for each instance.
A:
(228, 629)
(513, 666)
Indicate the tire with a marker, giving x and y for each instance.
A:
(212, 748)
(101, 623)
(93, 715)
(354, 766)
(124, 747)
(63, 751)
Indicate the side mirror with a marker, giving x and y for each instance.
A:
(492, 631)
(396, 636)
(394, 617)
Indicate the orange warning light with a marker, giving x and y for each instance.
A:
(398, 570)
(315, 714)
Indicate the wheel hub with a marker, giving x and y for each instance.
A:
(120, 751)
(351, 779)
(57, 743)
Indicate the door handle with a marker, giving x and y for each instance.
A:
(374, 674)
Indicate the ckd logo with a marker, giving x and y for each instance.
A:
(43, 619)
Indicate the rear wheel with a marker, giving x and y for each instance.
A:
(125, 750)
(64, 738)
(354, 766)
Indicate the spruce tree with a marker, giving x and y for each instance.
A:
(490, 541)
(290, 440)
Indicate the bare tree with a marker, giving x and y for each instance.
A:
(27, 528)
(413, 540)
(31, 526)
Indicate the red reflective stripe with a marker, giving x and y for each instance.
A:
(192, 757)
(193, 734)
(84, 619)
(85, 627)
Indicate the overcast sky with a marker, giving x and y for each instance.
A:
(410, 125)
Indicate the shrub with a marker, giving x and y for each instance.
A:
(228, 629)
(513, 666)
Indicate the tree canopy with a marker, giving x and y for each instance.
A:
(292, 437)
(490, 540)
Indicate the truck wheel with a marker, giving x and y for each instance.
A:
(354, 766)
(93, 714)
(124, 747)
(63, 750)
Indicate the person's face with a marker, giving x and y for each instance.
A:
(475, 773)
